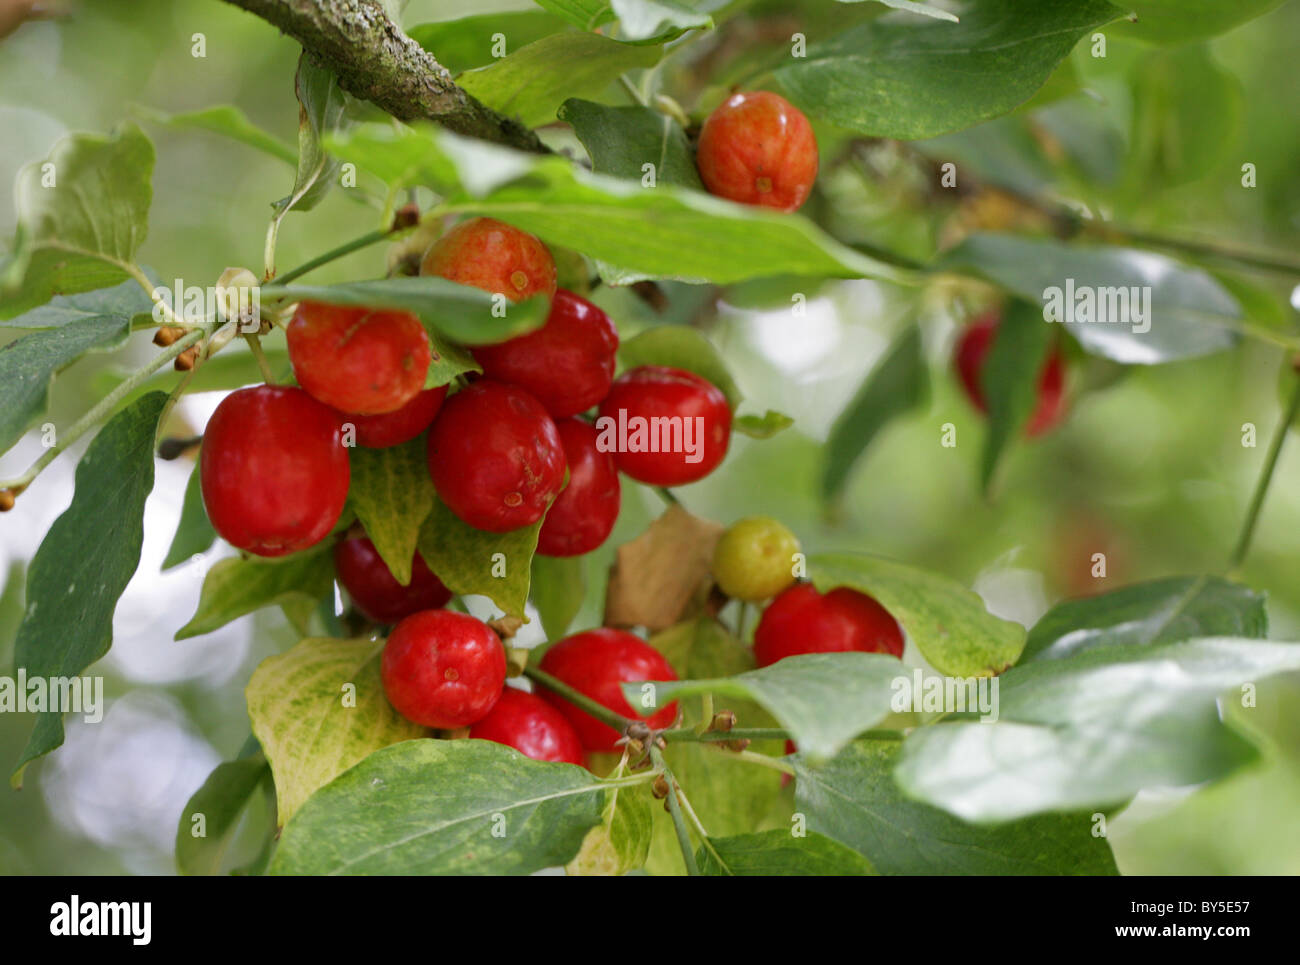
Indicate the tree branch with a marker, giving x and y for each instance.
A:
(374, 60)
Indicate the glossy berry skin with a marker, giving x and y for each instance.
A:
(801, 620)
(375, 590)
(532, 727)
(651, 392)
(567, 364)
(494, 256)
(358, 360)
(273, 470)
(401, 425)
(584, 513)
(443, 669)
(595, 663)
(972, 350)
(495, 457)
(758, 148)
(754, 559)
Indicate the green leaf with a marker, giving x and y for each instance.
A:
(392, 495)
(232, 369)
(460, 312)
(1160, 611)
(909, 78)
(779, 852)
(531, 83)
(680, 347)
(82, 214)
(1093, 729)
(823, 700)
(317, 710)
(621, 842)
(220, 802)
(238, 586)
(621, 140)
(469, 41)
(320, 109)
(854, 799)
(431, 807)
(231, 122)
(1190, 314)
(470, 560)
(86, 560)
(911, 6)
(559, 585)
(947, 622)
(28, 366)
(640, 21)
(194, 534)
(1010, 380)
(583, 14)
(125, 303)
(603, 217)
(1183, 21)
(899, 383)
(763, 426)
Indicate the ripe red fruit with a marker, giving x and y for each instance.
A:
(690, 445)
(801, 620)
(274, 472)
(375, 590)
(531, 726)
(495, 457)
(401, 425)
(968, 358)
(494, 256)
(443, 669)
(358, 360)
(758, 148)
(595, 663)
(568, 363)
(583, 514)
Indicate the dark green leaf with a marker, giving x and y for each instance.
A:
(124, 302)
(779, 852)
(430, 807)
(680, 347)
(1009, 378)
(392, 495)
(220, 802)
(621, 140)
(470, 560)
(194, 534)
(320, 109)
(470, 41)
(911, 6)
(899, 383)
(1183, 21)
(238, 586)
(86, 560)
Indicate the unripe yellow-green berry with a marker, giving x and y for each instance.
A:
(754, 559)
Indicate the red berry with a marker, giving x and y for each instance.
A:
(358, 360)
(493, 256)
(665, 426)
(568, 363)
(375, 590)
(443, 669)
(274, 471)
(583, 514)
(595, 663)
(531, 726)
(972, 350)
(401, 425)
(758, 148)
(801, 620)
(495, 457)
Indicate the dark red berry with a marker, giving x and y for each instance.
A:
(494, 256)
(801, 620)
(567, 364)
(358, 360)
(665, 426)
(596, 663)
(531, 726)
(401, 425)
(443, 669)
(274, 472)
(758, 148)
(584, 513)
(495, 457)
(375, 590)
(972, 350)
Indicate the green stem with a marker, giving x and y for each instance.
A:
(762, 760)
(741, 619)
(632, 92)
(356, 244)
(675, 809)
(579, 699)
(255, 345)
(706, 714)
(1265, 479)
(143, 281)
(102, 409)
(667, 496)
